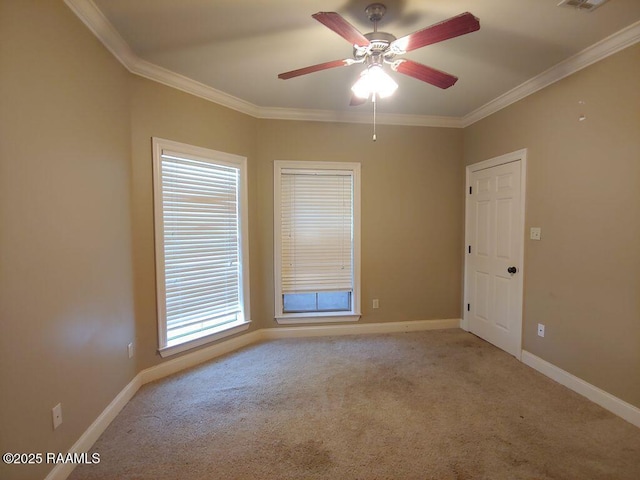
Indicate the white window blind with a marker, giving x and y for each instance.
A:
(316, 231)
(201, 242)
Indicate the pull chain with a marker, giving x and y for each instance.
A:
(373, 100)
(373, 97)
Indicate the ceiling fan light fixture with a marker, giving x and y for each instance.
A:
(374, 80)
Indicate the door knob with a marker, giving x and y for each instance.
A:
(512, 270)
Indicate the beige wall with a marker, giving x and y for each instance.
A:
(582, 279)
(76, 223)
(66, 303)
(419, 281)
(412, 179)
(159, 111)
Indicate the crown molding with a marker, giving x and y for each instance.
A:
(95, 20)
(159, 74)
(357, 117)
(590, 55)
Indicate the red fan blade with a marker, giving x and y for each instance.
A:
(335, 22)
(313, 68)
(424, 73)
(453, 27)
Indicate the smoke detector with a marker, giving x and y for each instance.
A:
(582, 5)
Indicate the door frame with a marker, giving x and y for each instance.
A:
(516, 156)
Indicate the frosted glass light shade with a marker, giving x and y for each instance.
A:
(374, 80)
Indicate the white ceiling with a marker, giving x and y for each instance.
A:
(239, 46)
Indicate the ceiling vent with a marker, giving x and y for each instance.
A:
(583, 5)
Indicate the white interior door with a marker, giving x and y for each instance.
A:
(495, 237)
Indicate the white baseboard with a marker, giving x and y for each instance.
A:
(615, 405)
(204, 354)
(199, 356)
(62, 470)
(358, 328)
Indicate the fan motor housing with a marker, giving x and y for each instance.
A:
(380, 39)
(378, 46)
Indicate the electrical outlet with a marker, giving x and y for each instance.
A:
(56, 414)
(540, 330)
(376, 303)
(130, 350)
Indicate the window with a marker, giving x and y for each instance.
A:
(317, 241)
(200, 205)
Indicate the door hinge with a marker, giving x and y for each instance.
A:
(468, 307)
(470, 190)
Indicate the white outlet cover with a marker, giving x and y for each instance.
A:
(56, 413)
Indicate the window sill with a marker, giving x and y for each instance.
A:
(298, 318)
(211, 335)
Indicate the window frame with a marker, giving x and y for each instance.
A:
(323, 316)
(159, 145)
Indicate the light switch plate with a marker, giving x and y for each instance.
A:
(535, 233)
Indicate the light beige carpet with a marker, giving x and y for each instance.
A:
(428, 405)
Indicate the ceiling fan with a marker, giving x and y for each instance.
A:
(376, 49)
